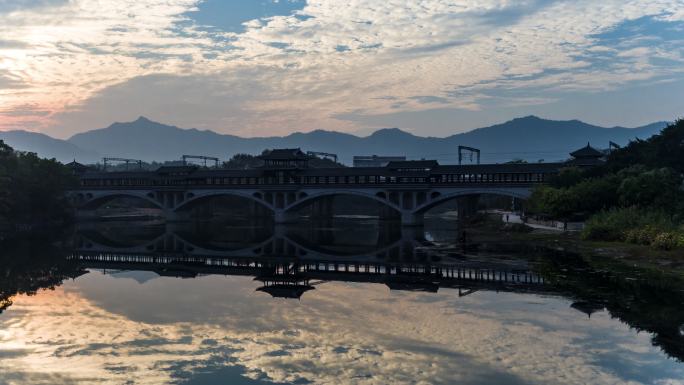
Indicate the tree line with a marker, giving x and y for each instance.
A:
(32, 189)
(636, 196)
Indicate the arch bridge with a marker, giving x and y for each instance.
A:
(406, 189)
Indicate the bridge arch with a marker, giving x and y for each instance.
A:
(438, 198)
(91, 201)
(311, 197)
(193, 197)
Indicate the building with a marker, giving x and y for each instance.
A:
(375, 160)
(285, 158)
(77, 168)
(587, 157)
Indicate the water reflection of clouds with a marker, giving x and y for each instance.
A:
(106, 330)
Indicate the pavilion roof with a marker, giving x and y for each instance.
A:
(587, 152)
(284, 154)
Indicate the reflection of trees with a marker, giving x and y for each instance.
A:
(646, 300)
(27, 267)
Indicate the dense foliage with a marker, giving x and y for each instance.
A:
(637, 196)
(32, 189)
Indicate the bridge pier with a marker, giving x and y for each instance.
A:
(411, 219)
(281, 216)
(176, 216)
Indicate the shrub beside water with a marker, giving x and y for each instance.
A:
(637, 226)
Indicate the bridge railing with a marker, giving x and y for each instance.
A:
(103, 181)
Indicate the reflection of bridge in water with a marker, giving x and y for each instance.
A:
(290, 277)
(631, 300)
(300, 273)
(290, 258)
(392, 243)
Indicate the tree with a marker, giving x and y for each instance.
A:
(32, 189)
(662, 150)
(568, 176)
(659, 189)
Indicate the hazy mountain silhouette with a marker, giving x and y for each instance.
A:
(46, 146)
(530, 138)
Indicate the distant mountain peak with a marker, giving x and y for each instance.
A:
(390, 132)
(528, 117)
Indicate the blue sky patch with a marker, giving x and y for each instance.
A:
(229, 15)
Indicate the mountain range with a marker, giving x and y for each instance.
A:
(529, 138)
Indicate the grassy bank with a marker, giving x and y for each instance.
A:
(491, 230)
(636, 226)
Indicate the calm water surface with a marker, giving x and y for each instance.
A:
(342, 302)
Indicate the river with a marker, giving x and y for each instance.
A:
(344, 301)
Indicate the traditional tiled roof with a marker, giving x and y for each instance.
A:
(286, 291)
(284, 154)
(587, 152)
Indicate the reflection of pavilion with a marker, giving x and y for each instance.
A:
(284, 281)
(588, 307)
(285, 288)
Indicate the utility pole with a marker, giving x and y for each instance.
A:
(123, 160)
(472, 151)
(201, 157)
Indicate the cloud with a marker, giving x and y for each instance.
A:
(328, 58)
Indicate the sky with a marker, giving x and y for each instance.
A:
(272, 67)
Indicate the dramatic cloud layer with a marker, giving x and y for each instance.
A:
(68, 65)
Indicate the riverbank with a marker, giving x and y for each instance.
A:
(492, 229)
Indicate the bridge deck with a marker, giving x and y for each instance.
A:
(520, 173)
(464, 275)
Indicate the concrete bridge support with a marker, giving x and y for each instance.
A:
(409, 218)
(281, 216)
(172, 215)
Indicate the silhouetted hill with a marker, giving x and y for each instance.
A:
(47, 146)
(530, 138)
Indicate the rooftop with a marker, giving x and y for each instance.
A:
(587, 152)
(284, 154)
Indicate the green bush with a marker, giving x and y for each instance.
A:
(641, 236)
(601, 231)
(665, 241)
(637, 226)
